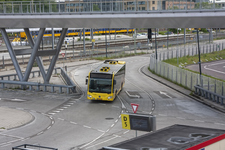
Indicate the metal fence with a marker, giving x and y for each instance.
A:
(184, 77)
(12, 81)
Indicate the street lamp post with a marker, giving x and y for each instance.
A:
(200, 70)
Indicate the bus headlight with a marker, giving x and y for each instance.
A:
(109, 97)
(89, 96)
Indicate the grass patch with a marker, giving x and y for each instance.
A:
(2, 128)
(162, 32)
(188, 60)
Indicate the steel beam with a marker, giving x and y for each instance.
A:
(34, 53)
(39, 53)
(38, 59)
(54, 58)
(12, 54)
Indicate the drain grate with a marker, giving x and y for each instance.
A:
(109, 118)
(180, 140)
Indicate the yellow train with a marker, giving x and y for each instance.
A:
(76, 32)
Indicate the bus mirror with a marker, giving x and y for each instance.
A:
(86, 80)
(114, 81)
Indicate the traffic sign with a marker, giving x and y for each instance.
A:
(63, 54)
(125, 121)
(141, 122)
(134, 107)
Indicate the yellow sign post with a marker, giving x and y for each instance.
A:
(93, 40)
(125, 121)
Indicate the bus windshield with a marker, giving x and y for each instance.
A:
(100, 85)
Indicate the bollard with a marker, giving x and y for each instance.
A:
(45, 88)
(60, 90)
(52, 89)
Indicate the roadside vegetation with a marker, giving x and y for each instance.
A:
(117, 56)
(188, 60)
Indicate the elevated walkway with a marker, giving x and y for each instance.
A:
(112, 14)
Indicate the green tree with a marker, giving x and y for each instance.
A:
(95, 7)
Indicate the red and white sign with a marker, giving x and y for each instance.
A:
(63, 54)
(134, 107)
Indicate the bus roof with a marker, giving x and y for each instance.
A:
(109, 67)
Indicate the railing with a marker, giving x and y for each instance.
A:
(11, 80)
(30, 7)
(184, 77)
(209, 95)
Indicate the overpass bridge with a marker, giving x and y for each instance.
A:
(99, 14)
(112, 14)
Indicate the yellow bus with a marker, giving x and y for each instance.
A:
(106, 81)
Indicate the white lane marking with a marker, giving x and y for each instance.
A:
(115, 106)
(216, 63)
(73, 122)
(70, 103)
(219, 124)
(112, 125)
(51, 118)
(12, 136)
(102, 104)
(107, 130)
(19, 100)
(60, 109)
(49, 127)
(86, 126)
(116, 120)
(199, 121)
(116, 135)
(51, 113)
(91, 141)
(61, 119)
(40, 133)
(5, 145)
(53, 122)
(164, 93)
(162, 115)
(214, 70)
(102, 142)
(25, 139)
(180, 118)
(0, 99)
(101, 131)
(67, 105)
(120, 116)
(64, 107)
(126, 131)
(56, 111)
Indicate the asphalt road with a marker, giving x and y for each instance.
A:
(215, 68)
(70, 122)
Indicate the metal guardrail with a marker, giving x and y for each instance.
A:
(68, 88)
(106, 6)
(209, 95)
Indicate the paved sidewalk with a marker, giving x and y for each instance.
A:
(11, 118)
